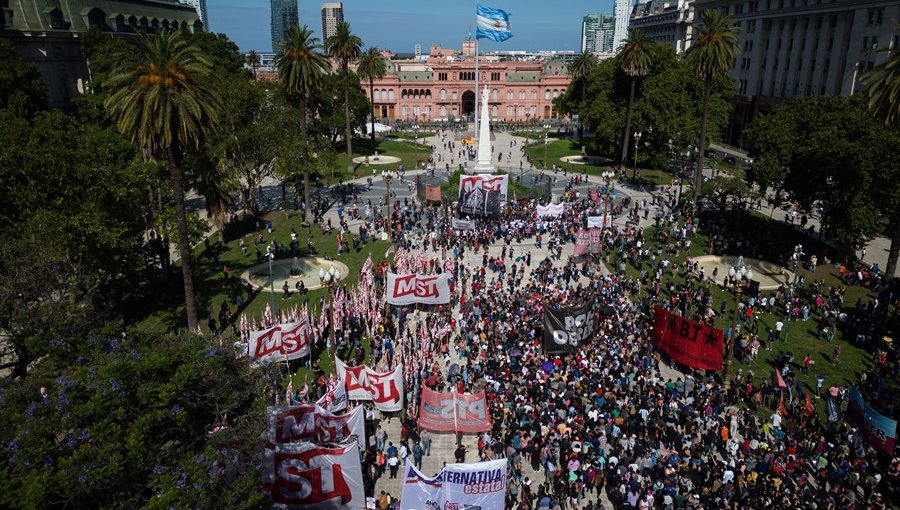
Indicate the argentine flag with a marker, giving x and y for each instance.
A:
(493, 24)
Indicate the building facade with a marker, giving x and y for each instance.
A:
(666, 22)
(200, 7)
(332, 16)
(442, 88)
(598, 34)
(791, 48)
(622, 12)
(285, 14)
(48, 34)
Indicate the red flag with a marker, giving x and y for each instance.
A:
(780, 380)
(810, 407)
(781, 408)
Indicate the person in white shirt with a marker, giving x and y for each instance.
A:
(776, 420)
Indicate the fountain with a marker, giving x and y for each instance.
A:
(305, 269)
(769, 275)
(377, 159)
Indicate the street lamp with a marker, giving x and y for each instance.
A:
(388, 176)
(607, 176)
(795, 279)
(740, 280)
(271, 256)
(330, 280)
(546, 141)
(637, 139)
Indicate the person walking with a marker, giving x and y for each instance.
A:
(417, 452)
(426, 442)
(393, 464)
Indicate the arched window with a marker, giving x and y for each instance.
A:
(555, 93)
(119, 23)
(403, 94)
(428, 111)
(509, 95)
(97, 18)
(57, 20)
(405, 112)
(533, 111)
(416, 111)
(534, 95)
(144, 25)
(416, 94)
(184, 26)
(495, 95)
(133, 23)
(198, 26)
(376, 95)
(443, 95)
(521, 94)
(443, 111)
(547, 94)
(494, 111)
(521, 111)
(154, 24)
(428, 94)
(509, 110)
(165, 25)
(391, 95)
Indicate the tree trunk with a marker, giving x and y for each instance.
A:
(581, 118)
(372, 95)
(628, 122)
(698, 173)
(304, 157)
(184, 244)
(348, 130)
(891, 267)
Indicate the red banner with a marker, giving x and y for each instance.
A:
(279, 343)
(454, 412)
(688, 342)
(305, 476)
(362, 383)
(588, 241)
(311, 423)
(433, 193)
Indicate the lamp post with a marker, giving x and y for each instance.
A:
(740, 280)
(388, 176)
(330, 280)
(607, 176)
(546, 141)
(637, 139)
(795, 279)
(686, 158)
(271, 256)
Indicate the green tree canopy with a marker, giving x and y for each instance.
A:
(21, 87)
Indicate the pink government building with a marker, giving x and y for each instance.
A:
(441, 86)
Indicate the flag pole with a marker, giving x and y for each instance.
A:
(475, 127)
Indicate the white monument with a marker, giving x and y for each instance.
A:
(484, 164)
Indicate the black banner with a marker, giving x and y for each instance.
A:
(567, 328)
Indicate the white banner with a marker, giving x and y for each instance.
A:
(279, 343)
(458, 224)
(334, 400)
(407, 289)
(305, 476)
(362, 383)
(604, 221)
(310, 423)
(551, 210)
(481, 485)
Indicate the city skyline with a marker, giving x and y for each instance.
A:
(534, 26)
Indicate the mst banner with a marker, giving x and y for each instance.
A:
(305, 476)
(310, 423)
(335, 399)
(588, 241)
(481, 485)
(279, 343)
(688, 342)
(406, 289)
(362, 383)
(452, 412)
(482, 194)
(567, 328)
(878, 430)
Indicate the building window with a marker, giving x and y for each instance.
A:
(391, 95)
(454, 95)
(509, 95)
(522, 94)
(443, 111)
(97, 19)
(509, 111)
(495, 95)
(494, 111)
(405, 112)
(547, 94)
(428, 94)
(533, 111)
(442, 76)
(555, 93)
(495, 76)
(443, 94)
(56, 19)
(534, 95)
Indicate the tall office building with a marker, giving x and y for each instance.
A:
(285, 14)
(590, 26)
(200, 7)
(622, 11)
(332, 15)
(607, 33)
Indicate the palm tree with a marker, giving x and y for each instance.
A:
(300, 65)
(634, 58)
(372, 67)
(582, 67)
(883, 96)
(714, 50)
(253, 61)
(345, 47)
(166, 103)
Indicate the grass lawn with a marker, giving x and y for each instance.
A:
(409, 153)
(802, 334)
(531, 135)
(409, 135)
(559, 149)
(160, 315)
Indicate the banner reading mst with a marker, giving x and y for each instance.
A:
(406, 289)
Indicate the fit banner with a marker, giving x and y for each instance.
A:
(433, 193)
(480, 485)
(306, 476)
(279, 343)
(588, 241)
(362, 383)
(878, 430)
(482, 194)
(406, 289)
(457, 224)
(454, 412)
(335, 399)
(550, 210)
(313, 424)
(688, 342)
(567, 328)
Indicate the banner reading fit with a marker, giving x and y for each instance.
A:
(452, 412)
(550, 210)
(878, 430)
(310, 423)
(567, 328)
(481, 486)
(279, 343)
(406, 289)
(588, 241)
(305, 476)
(688, 342)
(482, 194)
(362, 383)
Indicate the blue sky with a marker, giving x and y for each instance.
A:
(398, 25)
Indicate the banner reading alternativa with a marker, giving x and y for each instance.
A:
(688, 342)
(454, 412)
(480, 485)
(406, 289)
(306, 476)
